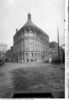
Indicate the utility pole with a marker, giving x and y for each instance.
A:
(58, 45)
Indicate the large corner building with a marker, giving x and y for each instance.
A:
(31, 44)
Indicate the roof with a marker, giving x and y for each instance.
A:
(53, 44)
(29, 21)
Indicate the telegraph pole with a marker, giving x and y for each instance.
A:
(58, 45)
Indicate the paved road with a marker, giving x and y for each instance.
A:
(31, 77)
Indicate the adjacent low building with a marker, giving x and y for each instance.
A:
(9, 55)
(55, 52)
(3, 49)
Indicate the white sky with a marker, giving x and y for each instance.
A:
(46, 14)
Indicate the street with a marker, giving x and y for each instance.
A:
(32, 77)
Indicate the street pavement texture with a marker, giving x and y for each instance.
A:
(32, 77)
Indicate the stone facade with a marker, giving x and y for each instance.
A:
(31, 44)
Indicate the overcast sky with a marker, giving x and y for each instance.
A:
(46, 14)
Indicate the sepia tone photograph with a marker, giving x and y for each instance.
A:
(32, 48)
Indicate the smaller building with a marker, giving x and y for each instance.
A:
(9, 55)
(53, 51)
(3, 48)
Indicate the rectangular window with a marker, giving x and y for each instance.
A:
(32, 54)
(30, 34)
